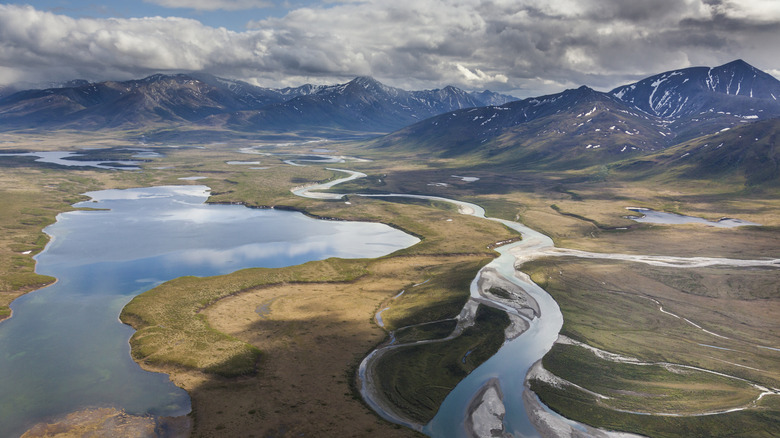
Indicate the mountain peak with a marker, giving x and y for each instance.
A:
(370, 85)
(691, 91)
(739, 68)
(583, 91)
(586, 90)
(365, 81)
(737, 63)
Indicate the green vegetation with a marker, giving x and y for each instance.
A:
(442, 297)
(170, 330)
(650, 389)
(610, 305)
(433, 330)
(418, 378)
(577, 405)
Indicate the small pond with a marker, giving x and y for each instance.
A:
(658, 217)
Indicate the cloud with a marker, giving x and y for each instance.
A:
(479, 76)
(528, 47)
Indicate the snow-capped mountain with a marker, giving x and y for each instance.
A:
(702, 100)
(692, 90)
(582, 127)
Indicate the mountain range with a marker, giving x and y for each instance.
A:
(361, 105)
(582, 127)
(668, 115)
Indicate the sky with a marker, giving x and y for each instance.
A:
(520, 47)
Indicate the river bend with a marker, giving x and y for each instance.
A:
(514, 409)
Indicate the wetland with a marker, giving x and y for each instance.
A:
(228, 337)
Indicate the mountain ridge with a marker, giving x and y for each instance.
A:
(574, 125)
(702, 100)
(200, 98)
(583, 127)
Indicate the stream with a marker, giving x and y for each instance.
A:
(506, 406)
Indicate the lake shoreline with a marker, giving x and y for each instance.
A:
(118, 206)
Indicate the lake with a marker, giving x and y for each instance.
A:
(64, 349)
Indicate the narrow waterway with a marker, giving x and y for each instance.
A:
(511, 363)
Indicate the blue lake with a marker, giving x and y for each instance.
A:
(64, 349)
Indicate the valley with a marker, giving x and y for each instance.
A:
(309, 326)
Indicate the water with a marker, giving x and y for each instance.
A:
(66, 159)
(65, 350)
(658, 217)
(513, 360)
(510, 365)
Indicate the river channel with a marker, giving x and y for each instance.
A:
(507, 370)
(64, 349)
(512, 362)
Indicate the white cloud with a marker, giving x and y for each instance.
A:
(529, 47)
(758, 10)
(478, 77)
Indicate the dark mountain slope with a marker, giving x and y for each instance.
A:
(748, 154)
(362, 104)
(574, 128)
(156, 99)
